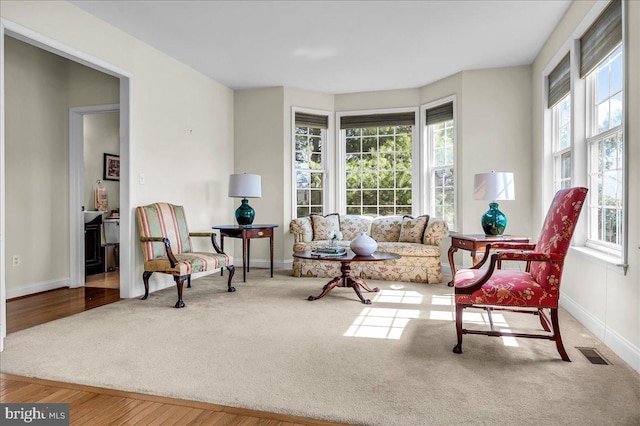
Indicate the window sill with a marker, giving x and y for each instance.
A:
(598, 255)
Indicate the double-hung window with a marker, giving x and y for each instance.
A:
(586, 101)
(601, 65)
(378, 163)
(605, 144)
(559, 101)
(441, 152)
(310, 140)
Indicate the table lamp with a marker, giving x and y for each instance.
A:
(245, 186)
(494, 186)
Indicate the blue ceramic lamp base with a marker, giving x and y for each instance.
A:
(245, 213)
(494, 221)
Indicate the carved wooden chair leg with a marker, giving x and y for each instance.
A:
(544, 320)
(188, 281)
(459, 308)
(179, 284)
(145, 279)
(556, 335)
(232, 270)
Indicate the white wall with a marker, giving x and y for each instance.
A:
(36, 161)
(101, 136)
(598, 294)
(182, 128)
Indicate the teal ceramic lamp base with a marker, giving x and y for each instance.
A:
(494, 221)
(245, 213)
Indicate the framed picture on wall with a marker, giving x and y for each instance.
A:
(111, 167)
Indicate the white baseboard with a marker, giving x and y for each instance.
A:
(37, 288)
(618, 344)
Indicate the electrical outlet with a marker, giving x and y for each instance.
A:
(141, 178)
(15, 260)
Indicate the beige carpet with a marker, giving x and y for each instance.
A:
(266, 347)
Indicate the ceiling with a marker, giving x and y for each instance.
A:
(337, 46)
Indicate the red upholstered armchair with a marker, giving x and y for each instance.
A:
(530, 291)
(166, 247)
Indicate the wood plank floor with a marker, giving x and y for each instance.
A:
(99, 406)
(91, 406)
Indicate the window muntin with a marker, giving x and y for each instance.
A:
(441, 143)
(378, 170)
(561, 142)
(309, 165)
(605, 146)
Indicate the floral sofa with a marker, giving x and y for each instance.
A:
(416, 240)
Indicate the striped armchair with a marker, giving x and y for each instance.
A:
(166, 247)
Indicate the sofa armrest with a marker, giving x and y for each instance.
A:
(436, 230)
(301, 230)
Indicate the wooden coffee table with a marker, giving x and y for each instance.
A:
(346, 279)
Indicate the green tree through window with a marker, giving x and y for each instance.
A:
(379, 170)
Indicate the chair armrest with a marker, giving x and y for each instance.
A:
(167, 244)
(211, 235)
(529, 256)
(435, 231)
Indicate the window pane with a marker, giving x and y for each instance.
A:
(603, 116)
(354, 180)
(616, 75)
(566, 166)
(302, 197)
(353, 145)
(383, 168)
(354, 210)
(354, 198)
(603, 84)
(302, 211)
(369, 144)
(303, 179)
(616, 110)
(316, 197)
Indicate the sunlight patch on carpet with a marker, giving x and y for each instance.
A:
(398, 296)
(381, 323)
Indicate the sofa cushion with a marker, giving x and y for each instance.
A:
(352, 226)
(412, 228)
(325, 227)
(410, 249)
(386, 229)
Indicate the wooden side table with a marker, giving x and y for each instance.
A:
(476, 243)
(247, 232)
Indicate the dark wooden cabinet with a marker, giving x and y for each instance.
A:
(93, 257)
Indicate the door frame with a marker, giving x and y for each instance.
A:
(127, 255)
(76, 188)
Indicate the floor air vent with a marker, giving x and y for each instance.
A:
(593, 356)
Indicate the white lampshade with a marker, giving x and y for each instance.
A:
(494, 186)
(245, 186)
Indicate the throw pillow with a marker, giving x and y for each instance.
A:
(386, 229)
(324, 227)
(412, 228)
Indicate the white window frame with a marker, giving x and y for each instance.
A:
(427, 142)
(580, 121)
(327, 163)
(416, 164)
(593, 138)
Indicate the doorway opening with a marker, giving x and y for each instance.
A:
(61, 245)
